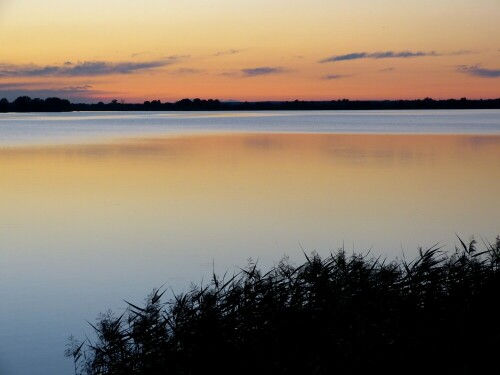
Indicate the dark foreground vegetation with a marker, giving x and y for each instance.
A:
(27, 104)
(345, 314)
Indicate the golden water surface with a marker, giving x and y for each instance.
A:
(251, 194)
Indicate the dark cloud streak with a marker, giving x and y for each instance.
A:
(226, 52)
(336, 76)
(378, 55)
(477, 71)
(349, 56)
(186, 71)
(85, 69)
(263, 70)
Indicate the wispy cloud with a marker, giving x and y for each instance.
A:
(478, 71)
(378, 55)
(349, 56)
(84, 88)
(462, 52)
(387, 70)
(186, 71)
(230, 73)
(85, 69)
(80, 93)
(17, 85)
(336, 76)
(403, 54)
(262, 70)
(42, 86)
(231, 51)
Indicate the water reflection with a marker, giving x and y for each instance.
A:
(318, 168)
(84, 226)
(293, 178)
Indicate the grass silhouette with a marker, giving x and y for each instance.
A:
(344, 314)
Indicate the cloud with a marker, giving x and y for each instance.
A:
(404, 54)
(349, 56)
(79, 93)
(477, 71)
(263, 70)
(231, 73)
(462, 52)
(231, 51)
(378, 55)
(34, 86)
(83, 88)
(85, 69)
(186, 71)
(336, 76)
(17, 85)
(386, 70)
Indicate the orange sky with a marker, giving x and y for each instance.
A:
(249, 50)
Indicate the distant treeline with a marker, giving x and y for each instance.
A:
(343, 314)
(27, 104)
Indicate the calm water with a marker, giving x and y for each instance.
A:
(96, 208)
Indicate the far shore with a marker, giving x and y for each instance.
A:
(27, 104)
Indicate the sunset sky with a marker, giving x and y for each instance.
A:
(249, 50)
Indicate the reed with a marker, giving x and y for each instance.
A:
(339, 314)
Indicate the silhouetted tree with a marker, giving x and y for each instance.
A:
(184, 103)
(22, 103)
(4, 105)
(57, 104)
(25, 103)
(37, 105)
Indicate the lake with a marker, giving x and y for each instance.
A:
(100, 207)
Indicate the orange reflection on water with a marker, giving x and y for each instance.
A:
(218, 193)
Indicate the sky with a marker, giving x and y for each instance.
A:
(249, 50)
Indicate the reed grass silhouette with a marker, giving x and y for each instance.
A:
(344, 314)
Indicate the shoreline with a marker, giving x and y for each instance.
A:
(27, 104)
